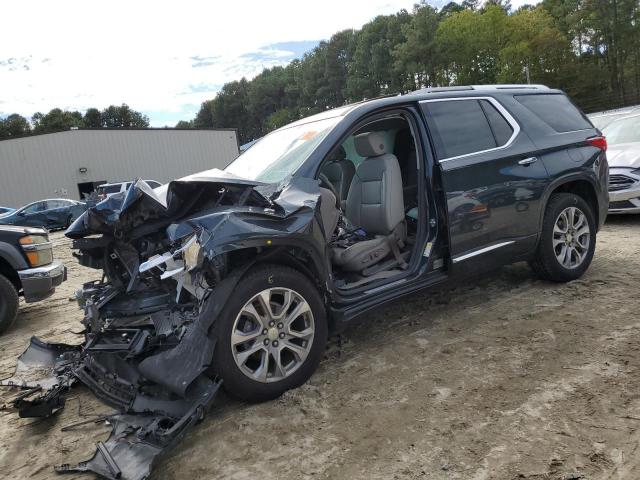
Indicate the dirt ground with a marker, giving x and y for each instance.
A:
(506, 378)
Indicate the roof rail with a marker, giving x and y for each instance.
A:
(510, 87)
(466, 88)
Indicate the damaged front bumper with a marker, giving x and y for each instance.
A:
(148, 343)
(153, 415)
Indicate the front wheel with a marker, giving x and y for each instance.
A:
(568, 239)
(271, 335)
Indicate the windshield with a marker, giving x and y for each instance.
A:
(625, 130)
(280, 153)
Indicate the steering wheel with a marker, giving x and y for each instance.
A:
(325, 183)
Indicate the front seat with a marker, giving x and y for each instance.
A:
(339, 171)
(374, 204)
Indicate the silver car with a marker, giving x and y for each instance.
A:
(623, 139)
(602, 120)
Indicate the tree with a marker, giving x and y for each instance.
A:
(417, 55)
(123, 117)
(504, 4)
(183, 125)
(372, 72)
(470, 43)
(14, 126)
(57, 120)
(92, 118)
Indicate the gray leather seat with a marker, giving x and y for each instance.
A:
(340, 171)
(375, 204)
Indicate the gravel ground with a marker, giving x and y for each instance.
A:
(506, 378)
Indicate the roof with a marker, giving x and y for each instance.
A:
(128, 129)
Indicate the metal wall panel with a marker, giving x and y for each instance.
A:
(48, 166)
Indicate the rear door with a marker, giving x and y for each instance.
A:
(493, 185)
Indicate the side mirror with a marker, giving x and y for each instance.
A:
(21, 214)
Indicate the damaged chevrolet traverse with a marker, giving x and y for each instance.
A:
(234, 278)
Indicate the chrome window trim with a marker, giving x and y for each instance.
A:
(481, 251)
(503, 111)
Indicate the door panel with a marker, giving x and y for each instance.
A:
(492, 200)
(493, 194)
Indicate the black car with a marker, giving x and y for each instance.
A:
(236, 277)
(27, 269)
(54, 213)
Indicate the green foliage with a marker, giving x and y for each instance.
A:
(14, 126)
(58, 120)
(590, 48)
(92, 118)
(123, 117)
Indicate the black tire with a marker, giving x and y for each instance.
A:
(545, 264)
(258, 279)
(8, 303)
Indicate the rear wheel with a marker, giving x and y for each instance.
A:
(8, 303)
(568, 239)
(271, 334)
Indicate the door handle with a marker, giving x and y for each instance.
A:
(527, 161)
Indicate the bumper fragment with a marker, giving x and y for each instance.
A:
(39, 283)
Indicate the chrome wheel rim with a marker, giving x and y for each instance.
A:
(272, 335)
(571, 237)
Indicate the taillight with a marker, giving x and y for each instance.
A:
(598, 142)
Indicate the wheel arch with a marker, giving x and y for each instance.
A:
(8, 271)
(580, 185)
(304, 260)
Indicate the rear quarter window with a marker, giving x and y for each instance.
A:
(556, 110)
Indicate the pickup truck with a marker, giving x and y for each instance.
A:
(27, 268)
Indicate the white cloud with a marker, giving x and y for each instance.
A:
(76, 54)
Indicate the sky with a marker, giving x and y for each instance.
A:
(159, 57)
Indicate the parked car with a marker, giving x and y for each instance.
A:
(623, 138)
(27, 268)
(4, 210)
(54, 213)
(106, 190)
(236, 277)
(602, 120)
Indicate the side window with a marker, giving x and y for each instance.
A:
(459, 127)
(501, 129)
(35, 207)
(555, 110)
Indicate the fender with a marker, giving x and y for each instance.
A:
(12, 256)
(563, 180)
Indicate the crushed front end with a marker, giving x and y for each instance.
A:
(147, 323)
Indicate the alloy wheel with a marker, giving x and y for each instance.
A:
(571, 237)
(272, 335)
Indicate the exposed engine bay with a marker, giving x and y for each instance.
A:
(170, 259)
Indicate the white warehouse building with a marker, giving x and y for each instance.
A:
(68, 164)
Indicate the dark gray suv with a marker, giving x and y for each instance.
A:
(236, 277)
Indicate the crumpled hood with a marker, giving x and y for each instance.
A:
(141, 206)
(225, 205)
(625, 155)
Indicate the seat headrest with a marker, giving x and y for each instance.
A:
(370, 144)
